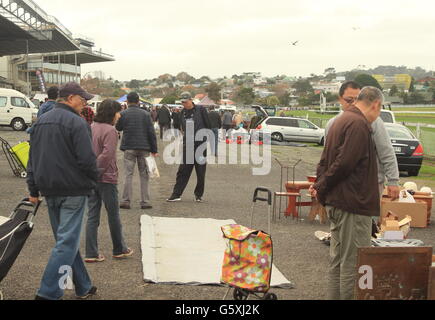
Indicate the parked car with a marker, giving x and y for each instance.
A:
(16, 110)
(387, 116)
(409, 150)
(292, 129)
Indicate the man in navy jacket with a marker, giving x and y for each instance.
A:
(62, 168)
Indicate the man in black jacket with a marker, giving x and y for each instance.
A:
(138, 141)
(164, 119)
(62, 167)
(216, 124)
(193, 119)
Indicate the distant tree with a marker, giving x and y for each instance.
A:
(394, 90)
(169, 99)
(285, 99)
(134, 84)
(415, 98)
(411, 86)
(214, 91)
(245, 96)
(302, 86)
(331, 97)
(426, 84)
(272, 101)
(367, 80)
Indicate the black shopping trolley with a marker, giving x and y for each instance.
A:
(17, 167)
(14, 231)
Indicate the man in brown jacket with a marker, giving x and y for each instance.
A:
(347, 185)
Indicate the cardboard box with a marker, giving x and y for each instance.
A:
(417, 211)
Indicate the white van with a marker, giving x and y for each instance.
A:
(16, 110)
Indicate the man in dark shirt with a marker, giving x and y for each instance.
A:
(347, 185)
(164, 119)
(193, 119)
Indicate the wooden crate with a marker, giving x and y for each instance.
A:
(387, 273)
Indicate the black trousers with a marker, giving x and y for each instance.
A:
(183, 176)
(163, 128)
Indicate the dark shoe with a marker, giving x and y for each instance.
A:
(146, 206)
(173, 199)
(198, 199)
(91, 292)
(40, 298)
(125, 206)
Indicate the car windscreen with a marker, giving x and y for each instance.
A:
(399, 133)
(387, 117)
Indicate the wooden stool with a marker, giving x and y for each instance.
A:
(295, 195)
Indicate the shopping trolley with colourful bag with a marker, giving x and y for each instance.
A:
(247, 265)
(17, 157)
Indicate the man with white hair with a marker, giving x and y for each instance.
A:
(347, 185)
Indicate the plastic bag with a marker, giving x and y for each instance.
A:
(405, 196)
(153, 171)
(156, 126)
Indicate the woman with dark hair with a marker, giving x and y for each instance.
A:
(105, 141)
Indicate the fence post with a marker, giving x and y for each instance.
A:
(418, 130)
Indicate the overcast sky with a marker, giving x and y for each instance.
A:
(226, 37)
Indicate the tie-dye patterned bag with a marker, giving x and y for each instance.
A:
(248, 258)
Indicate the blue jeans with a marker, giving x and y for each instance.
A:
(216, 141)
(107, 193)
(66, 218)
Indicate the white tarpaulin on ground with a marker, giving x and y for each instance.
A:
(187, 251)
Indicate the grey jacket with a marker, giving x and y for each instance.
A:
(139, 133)
(387, 161)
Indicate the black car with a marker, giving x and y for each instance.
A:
(409, 150)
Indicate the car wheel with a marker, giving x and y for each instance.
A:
(322, 142)
(413, 173)
(277, 137)
(18, 124)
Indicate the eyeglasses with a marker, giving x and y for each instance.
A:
(349, 100)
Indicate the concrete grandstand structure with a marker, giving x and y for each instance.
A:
(33, 42)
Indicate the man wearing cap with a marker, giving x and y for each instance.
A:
(62, 168)
(138, 141)
(193, 119)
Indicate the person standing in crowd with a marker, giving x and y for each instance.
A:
(52, 93)
(388, 169)
(138, 141)
(227, 122)
(88, 114)
(238, 120)
(105, 141)
(347, 184)
(176, 120)
(216, 124)
(62, 168)
(154, 114)
(193, 119)
(164, 119)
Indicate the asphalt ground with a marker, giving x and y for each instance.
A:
(229, 189)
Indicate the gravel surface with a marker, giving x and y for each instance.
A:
(229, 188)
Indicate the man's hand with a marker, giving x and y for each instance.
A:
(313, 191)
(155, 154)
(33, 200)
(393, 192)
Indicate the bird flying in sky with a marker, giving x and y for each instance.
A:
(294, 43)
